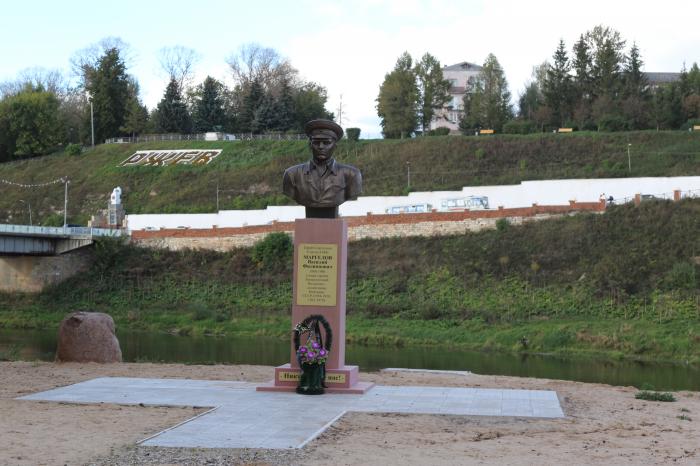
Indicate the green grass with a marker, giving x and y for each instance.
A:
(249, 172)
(624, 284)
(655, 396)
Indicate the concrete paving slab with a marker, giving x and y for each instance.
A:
(246, 418)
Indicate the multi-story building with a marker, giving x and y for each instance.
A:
(458, 75)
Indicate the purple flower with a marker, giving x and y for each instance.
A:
(302, 349)
(315, 345)
(322, 352)
(311, 354)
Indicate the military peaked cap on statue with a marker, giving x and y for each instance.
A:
(326, 125)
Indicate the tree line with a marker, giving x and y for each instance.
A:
(41, 111)
(597, 85)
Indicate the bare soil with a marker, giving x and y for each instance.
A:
(603, 425)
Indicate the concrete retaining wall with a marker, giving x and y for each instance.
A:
(369, 226)
(31, 274)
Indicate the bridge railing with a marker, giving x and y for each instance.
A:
(60, 231)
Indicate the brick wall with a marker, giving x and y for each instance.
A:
(370, 226)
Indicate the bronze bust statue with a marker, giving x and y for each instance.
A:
(322, 184)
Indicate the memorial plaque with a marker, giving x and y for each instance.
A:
(317, 274)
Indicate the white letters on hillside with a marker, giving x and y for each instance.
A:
(159, 158)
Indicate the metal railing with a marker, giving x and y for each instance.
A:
(60, 231)
(204, 137)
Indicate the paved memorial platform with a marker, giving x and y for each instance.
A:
(245, 418)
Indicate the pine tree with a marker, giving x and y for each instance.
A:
(172, 111)
(107, 84)
(285, 107)
(397, 103)
(136, 117)
(487, 100)
(635, 83)
(582, 65)
(251, 101)
(558, 87)
(208, 110)
(635, 104)
(265, 116)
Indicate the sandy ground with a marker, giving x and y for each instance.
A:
(604, 425)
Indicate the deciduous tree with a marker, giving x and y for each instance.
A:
(433, 89)
(30, 123)
(397, 103)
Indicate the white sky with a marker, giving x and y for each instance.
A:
(346, 46)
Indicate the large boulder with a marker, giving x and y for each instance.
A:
(88, 337)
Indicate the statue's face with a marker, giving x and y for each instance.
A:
(322, 145)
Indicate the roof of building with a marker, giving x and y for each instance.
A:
(464, 66)
(663, 77)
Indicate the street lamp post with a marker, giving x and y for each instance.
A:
(92, 119)
(92, 124)
(408, 174)
(629, 159)
(65, 202)
(29, 206)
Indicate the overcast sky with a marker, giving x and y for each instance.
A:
(347, 46)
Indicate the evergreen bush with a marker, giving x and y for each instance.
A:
(353, 134)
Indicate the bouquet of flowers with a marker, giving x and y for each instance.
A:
(312, 353)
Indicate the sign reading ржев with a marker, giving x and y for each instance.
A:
(317, 274)
(159, 158)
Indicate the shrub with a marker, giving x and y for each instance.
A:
(73, 149)
(681, 276)
(655, 396)
(273, 252)
(612, 123)
(690, 123)
(520, 127)
(353, 134)
(441, 131)
(502, 224)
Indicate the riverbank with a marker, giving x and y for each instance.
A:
(622, 284)
(603, 425)
(676, 342)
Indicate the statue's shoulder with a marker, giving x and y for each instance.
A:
(294, 169)
(347, 168)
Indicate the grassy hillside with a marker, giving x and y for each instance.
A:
(249, 172)
(625, 283)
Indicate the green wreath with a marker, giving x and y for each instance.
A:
(311, 324)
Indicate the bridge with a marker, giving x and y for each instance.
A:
(48, 241)
(32, 258)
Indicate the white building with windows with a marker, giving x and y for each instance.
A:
(458, 75)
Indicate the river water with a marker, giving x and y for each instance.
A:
(159, 347)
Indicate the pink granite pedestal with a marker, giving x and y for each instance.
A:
(325, 238)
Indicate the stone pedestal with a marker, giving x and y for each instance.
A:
(319, 278)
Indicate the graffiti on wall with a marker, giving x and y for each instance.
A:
(161, 158)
